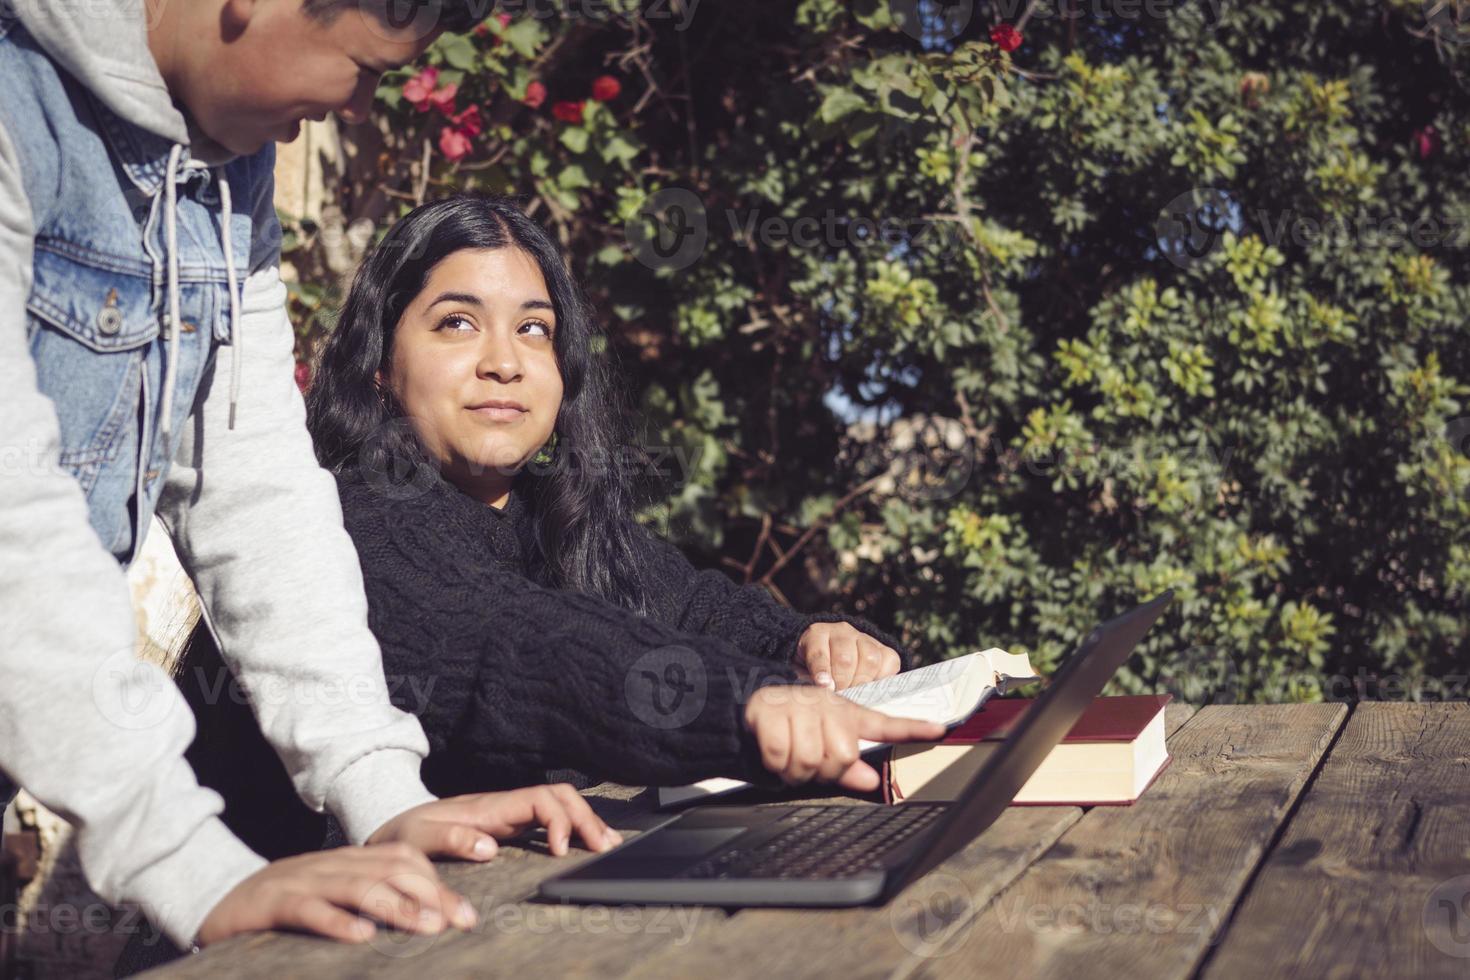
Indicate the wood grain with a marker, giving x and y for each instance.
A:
(1358, 885)
(1141, 891)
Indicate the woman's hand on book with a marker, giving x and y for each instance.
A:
(465, 827)
(839, 655)
(806, 732)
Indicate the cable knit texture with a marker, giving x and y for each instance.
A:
(511, 678)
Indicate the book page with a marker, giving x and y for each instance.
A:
(947, 692)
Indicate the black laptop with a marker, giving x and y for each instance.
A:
(846, 854)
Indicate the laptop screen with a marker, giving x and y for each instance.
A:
(1043, 725)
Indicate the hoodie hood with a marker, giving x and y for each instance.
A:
(106, 50)
(103, 44)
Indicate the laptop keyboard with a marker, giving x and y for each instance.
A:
(821, 842)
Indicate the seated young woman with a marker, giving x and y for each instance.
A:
(524, 615)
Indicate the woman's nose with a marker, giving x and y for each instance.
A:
(500, 359)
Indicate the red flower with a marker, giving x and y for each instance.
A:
(535, 95)
(453, 143)
(1006, 37)
(605, 88)
(303, 376)
(418, 88)
(469, 122)
(567, 111)
(1427, 139)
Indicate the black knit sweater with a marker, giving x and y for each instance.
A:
(512, 679)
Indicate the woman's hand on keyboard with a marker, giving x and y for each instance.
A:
(807, 732)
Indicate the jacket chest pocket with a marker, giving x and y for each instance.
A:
(89, 327)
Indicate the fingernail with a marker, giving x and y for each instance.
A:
(466, 915)
(824, 679)
(484, 848)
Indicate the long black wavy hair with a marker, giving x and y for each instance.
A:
(582, 503)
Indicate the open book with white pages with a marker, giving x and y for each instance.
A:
(948, 692)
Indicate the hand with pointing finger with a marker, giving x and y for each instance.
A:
(806, 732)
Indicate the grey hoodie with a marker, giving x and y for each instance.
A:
(257, 524)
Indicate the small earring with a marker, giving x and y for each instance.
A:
(547, 452)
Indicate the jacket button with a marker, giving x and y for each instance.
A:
(189, 327)
(109, 320)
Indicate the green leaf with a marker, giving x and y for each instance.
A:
(574, 138)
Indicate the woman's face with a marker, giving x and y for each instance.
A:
(474, 367)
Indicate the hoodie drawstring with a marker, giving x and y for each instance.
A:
(171, 326)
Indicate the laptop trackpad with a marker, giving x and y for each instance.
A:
(672, 842)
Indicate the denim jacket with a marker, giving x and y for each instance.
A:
(146, 367)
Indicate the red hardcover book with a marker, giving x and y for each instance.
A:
(1111, 755)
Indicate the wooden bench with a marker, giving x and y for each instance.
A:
(1294, 840)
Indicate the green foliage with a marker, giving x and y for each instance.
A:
(1263, 430)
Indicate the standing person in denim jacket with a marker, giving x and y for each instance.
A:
(146, 366)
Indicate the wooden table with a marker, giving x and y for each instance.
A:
(1307, 840)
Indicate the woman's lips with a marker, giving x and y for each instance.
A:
(499, 413)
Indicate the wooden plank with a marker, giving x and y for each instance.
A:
(1142, 890)
(1370, 878)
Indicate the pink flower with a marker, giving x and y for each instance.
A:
(535, 95)
(1006, 37)
(443, 99)
(570, 112)
(418, 88)
(469, 122)
(605, 88)
(303, 376)
(453, 143)
(1427, 140)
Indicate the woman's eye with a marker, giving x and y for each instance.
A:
(449, 321)
(534, 325)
